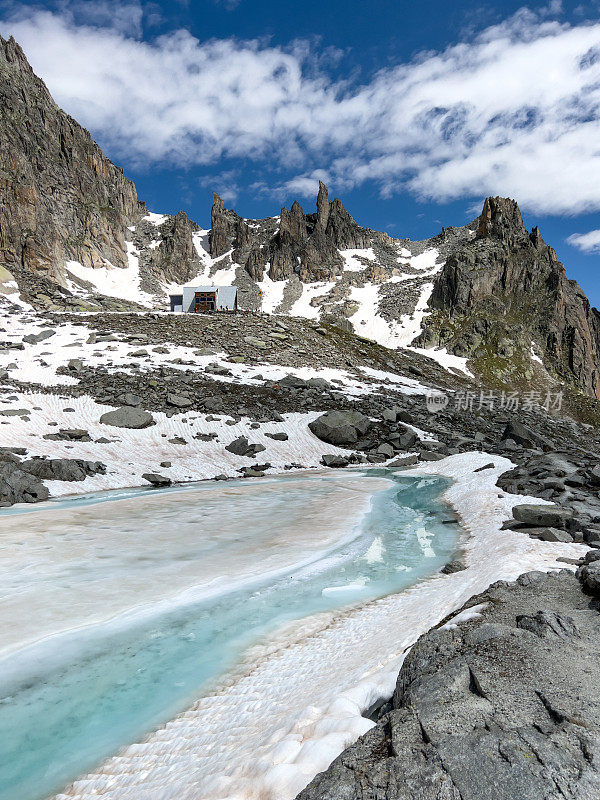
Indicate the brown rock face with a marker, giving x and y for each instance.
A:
(60, 198)
(509, 278)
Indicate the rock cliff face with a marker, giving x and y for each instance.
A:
(305, 245)
(506, 289)
(174, 259)
(60, 198)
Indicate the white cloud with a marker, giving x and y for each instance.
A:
(586, 242)
(514, 111)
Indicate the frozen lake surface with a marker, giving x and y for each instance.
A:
(119, 610)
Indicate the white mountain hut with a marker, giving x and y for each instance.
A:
(204, 299)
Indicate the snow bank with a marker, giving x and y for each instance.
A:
(129, 453)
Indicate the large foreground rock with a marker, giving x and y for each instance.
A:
(17, 486)
(340, 427)
(128, 417)
(542, 515)
(502, 708)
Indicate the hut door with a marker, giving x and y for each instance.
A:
(205, 301)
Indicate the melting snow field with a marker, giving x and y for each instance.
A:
(274, 612)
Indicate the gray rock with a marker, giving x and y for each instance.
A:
(340, 427)
(178, 401)
(242, 447)
(17, 486)
(335, 462)
(386, 450)
(319, 383)
(62, 469)
(453, 566)
(520, 434)
(404, 461)
(408, 440)
(129, 399)
(426, 455)
(156, 480)
(280, 436)
(541, 516)
(589, 575)
(548, 534)
(252, 472)
(69, 435)
(36, 338)
(506, 707)
(127, 417)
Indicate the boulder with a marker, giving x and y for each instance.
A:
(69, 435)
(156, 480)
(386, 450)
(548, 534)
(36, 338)
(542, 516)
(129, 399)
(292, 382)
(340, 427)
(242, 447)
(453, 566)
(335, 462)
(408, 440)
(404, 461)
(279, 436)
(501, 706)
(520, 434)
(127, 417)
(318, 383)
(75, 365)
(589, 575)
(178, 400)
(62, 469)
(17, 486)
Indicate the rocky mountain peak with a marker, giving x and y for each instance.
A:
(62, 199)
(505, 290)
(501, 218)
(303, 244)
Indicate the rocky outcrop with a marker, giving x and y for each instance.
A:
(227, 229)
(175, 260)
(506, 289)
(505, 706)
(60, 198)
(21, 481)
(305, 245)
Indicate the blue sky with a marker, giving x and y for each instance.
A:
(411, 112)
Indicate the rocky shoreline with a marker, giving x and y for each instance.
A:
(499, 701)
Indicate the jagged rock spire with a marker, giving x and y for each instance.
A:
(292, 223)
(322, 206)
(501, 218)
